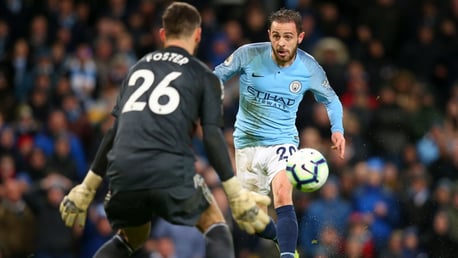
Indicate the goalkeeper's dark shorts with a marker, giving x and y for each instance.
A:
(180, 205)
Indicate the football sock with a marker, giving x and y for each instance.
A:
(219, 242)
(287, 230)
(116, 247)
(270, 232)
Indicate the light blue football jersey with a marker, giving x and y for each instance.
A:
(270, 95)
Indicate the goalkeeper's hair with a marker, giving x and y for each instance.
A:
(180, 20)
(286, 15)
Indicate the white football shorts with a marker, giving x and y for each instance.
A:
(257, 166)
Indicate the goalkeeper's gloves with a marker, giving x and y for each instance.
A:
(244, 206)
(73, 208)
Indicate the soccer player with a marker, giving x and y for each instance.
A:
(273, 79)
(150, 162)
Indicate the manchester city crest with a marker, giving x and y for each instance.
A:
(325, 84)
(295, 86)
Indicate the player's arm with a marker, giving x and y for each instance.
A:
(230, 66)
(324, 94)
(243, 203)
(217, 151)
(99, 164)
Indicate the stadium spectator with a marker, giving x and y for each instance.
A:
(57, 124)
(17, 221)
(39, 38)
(411, 247)
(438, 242)
(394, 246)
(378, 205)
(328, 210)
(61, 161)
(417, 204)
(54, 240)
(359, 242)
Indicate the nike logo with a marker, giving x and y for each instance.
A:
(256, 75)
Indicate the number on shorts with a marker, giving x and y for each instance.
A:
(162, 89)
(285, 152)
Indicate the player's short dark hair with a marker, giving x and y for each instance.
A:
(286, 15)
(180, 19)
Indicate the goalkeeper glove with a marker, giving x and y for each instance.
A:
(244, 206)
(73, 207)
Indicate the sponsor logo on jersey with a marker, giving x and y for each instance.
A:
(270, 99)
(228, 60)
(295, 86)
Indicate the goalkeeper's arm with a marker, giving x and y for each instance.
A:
(99, 164)
(217, 151)
(243, 203)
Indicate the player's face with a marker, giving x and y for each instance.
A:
(285, 40)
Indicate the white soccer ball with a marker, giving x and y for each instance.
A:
(307, 169)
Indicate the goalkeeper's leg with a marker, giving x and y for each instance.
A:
(217, 234)
(125, 242)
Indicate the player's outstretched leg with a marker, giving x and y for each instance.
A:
(287, 228)
(287, 231)
(270, 232)
(219, 241)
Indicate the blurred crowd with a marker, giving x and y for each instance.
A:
(394, 64)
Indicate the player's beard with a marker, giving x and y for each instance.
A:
(288, 56)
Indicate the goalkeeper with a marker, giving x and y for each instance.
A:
(147, 155)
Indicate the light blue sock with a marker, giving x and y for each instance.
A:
(287, 230)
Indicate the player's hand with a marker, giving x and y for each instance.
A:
(244, 206)
(338, 143)
(73, 208)
(254, 219)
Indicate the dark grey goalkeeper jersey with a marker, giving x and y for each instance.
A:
(161, 100)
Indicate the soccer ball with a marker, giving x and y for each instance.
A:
(307, 169)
